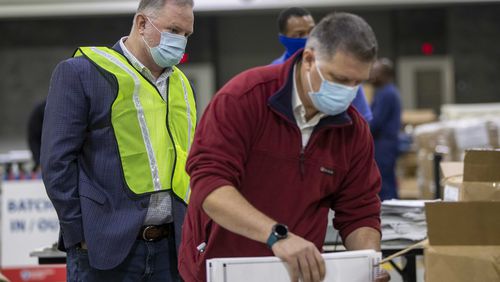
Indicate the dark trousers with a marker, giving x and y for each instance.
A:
(147, 261)
(389, 188)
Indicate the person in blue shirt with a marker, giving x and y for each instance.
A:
(385, 125)
(294, 25)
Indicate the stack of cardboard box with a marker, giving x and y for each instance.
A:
(475, 110)
(476, 179)
(430, 139)
(407, 162)
(450, 140)
(464, 236)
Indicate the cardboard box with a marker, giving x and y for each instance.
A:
(452, 189)
(451, 169)
(481, 177)
(464, 242)
(417, 117)
(451, 180)
(406, 165)
(467, 134)
(430, 139)
(408, 188)
(425, 175)
(493, 132)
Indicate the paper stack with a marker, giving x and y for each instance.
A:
(403, 220)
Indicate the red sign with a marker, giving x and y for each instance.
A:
(427, 48)
(48, 273)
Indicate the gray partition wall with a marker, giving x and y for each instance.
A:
(230, 42)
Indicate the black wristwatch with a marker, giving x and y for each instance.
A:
(279, 232)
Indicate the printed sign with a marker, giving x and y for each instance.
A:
(29, 222)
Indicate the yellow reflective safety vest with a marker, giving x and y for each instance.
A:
(153, 135)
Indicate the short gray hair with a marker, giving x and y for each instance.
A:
(153, 6)
(343, 32)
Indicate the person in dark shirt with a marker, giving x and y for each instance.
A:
(35, 124)
(385, 125)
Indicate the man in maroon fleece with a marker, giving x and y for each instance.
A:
(277, 148)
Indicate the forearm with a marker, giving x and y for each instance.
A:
(363, 238)
(228, 208)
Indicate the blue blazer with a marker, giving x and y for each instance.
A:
(82, 170)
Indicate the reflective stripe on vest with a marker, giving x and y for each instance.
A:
(153, 135)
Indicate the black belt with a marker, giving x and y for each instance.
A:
(151, 233)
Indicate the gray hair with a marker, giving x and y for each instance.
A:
(343, 32)
(153, 6)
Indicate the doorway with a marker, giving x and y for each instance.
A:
(426, 82)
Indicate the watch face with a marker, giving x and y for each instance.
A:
(281, 230)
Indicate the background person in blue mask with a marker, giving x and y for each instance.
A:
(294, 25)
(385, 125)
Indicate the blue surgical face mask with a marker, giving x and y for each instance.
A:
(332, 98)
(292, 45)
(170, 50)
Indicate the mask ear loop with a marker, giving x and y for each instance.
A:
(142, 36)
(162, 32)
(328, 81)
(319, 72)
(309, 81)
(145, 42)
(309, 76)
(149, 20)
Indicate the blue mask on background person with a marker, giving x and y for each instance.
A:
(292, 45)
(170, 50)
(332, 98)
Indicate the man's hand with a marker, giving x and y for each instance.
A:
(83, 245)
(366, 238)
(383, 276)
(302, 257)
